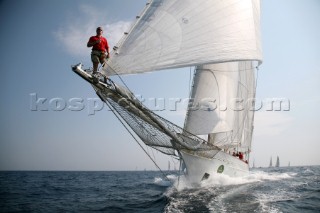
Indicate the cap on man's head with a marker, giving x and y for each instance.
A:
(99, 28)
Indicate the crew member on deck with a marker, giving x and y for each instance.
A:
(240, 156)
(100, 47)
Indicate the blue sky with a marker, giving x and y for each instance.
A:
(41, 39)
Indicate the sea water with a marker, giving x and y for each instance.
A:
(285, 189)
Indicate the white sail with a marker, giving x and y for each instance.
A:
(270, 164)
(214, 86)
(179, 33)
(222, 104)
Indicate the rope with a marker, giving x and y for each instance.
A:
(115, 73)
(118, 117)
(257, 67)
(165, 176)
(101, 65)
(180, 165)
(190, 83)
(120, 78)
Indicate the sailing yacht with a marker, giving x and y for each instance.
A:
(221, 39)
(277, 162)
(270, 164)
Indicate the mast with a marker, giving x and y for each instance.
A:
(270, 164)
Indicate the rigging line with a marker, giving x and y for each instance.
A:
(257, 67)
(147, 130)
(180, 165)
(247, 112)
(121, 80)
(165, 176)
(190, 83)
(154, 157)
(166, 121)
(190, 87)
(116, 74)
(101, 65)
(105, 63)
(172, 125)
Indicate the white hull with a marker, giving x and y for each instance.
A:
(198, 167)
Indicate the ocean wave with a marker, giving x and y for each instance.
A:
(182, 183)
(168, 181)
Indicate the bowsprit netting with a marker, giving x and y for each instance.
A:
(152, 129)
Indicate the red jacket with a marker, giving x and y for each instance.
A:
(240, 156)
(102, 46)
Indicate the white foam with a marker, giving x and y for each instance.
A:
(224, 180)
(266, 199)
(172, 177)
(215, 186)
(261, 176)
(168, 181)
(307, 171)
(159, 181)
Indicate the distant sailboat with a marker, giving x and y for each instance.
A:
(278, 162)
(289, 164)
(253, 166)
(168, 165)
(270, 164)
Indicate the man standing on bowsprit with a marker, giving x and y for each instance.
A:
(100, 47)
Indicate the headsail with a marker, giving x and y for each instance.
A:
(180, 33)
(222, 104)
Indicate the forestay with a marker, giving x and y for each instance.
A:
(179, 33)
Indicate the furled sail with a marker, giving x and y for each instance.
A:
(180, 33)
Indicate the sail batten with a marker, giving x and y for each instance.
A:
(180, 33)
